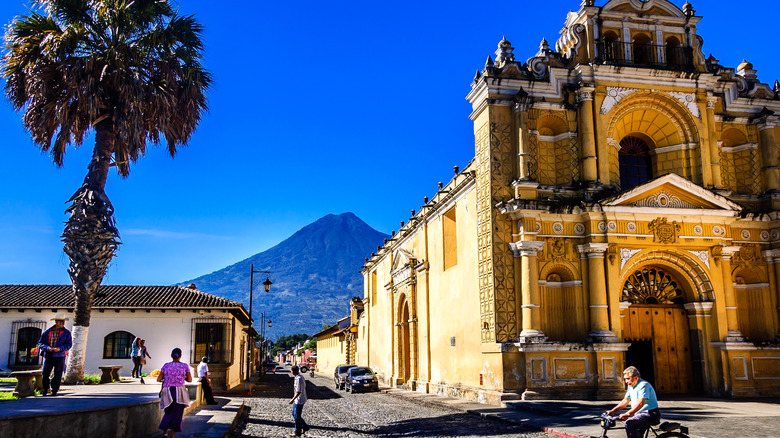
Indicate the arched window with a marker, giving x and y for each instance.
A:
(635, 165)
(652, 286)
(643, 50)
(117, 345)
(26, 341)
(613, 50)
(675, 56)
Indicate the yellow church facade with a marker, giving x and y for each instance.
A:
(621, 209)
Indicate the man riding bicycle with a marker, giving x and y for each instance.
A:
(644, 404)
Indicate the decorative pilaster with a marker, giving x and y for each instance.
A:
(597, 292)
(713, 145)
(523, 150)
(732, 322)
(769, 153)
(588, 148)
(772, 258)
(528, 250)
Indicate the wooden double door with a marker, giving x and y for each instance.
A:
(659, 336)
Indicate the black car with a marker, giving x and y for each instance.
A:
(361, 378)
(340, 375)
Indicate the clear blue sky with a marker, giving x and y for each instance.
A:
(317, 108)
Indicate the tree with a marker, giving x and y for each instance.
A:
(128, 70)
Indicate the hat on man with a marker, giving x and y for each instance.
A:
(59, 317)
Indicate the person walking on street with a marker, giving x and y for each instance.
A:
(143, 353)
(298, 400)
(135, 355)
(174, 397)
(644, 404)
(54, 345)
(205, 381)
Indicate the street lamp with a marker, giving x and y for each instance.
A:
(267, 286)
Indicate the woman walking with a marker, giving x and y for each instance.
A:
(135, 355)
(174, 397)
(143, 353)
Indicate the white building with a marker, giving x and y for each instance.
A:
(165, 316)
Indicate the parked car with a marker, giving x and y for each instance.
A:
(340, 375)
(361, 378)
(269, 367)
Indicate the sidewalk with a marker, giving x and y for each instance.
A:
(91, 403)
(706, 418)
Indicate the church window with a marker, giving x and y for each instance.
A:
(373, 288)
(450, 238)
(117, 345)
(612, 50)
(652, 286)
(675, 54)
(635, 164)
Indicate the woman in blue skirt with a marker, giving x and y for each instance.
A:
(173, 397)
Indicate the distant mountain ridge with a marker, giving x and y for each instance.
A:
(314, 272)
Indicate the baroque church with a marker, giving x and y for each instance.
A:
(622, 208)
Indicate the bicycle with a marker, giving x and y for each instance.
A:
(666, 429)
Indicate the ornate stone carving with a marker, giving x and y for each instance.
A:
(663, 199)
(602, 226)
(494, 236)
(556, 249)
(626, 254)
(698, 230)
(749, 255)
(688, 100)
(718, 230)
(612, 226)
(702, 255)
(579, 229)
(557, 228)
(614, 96)
(663, 231)
(745, 234)
(631, 227)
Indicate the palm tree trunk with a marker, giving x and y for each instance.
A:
(91, 240)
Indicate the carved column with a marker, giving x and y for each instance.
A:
(529, 286)
(732, 322)
(586, 128)
(597, 292)
(769, 154)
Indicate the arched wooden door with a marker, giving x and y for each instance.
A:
(405, 344)
(657, 328)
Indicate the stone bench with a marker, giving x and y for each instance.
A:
(110, 373)
(25, 387)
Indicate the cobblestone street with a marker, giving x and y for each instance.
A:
(336, 413)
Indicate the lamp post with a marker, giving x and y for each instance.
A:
(267, 286)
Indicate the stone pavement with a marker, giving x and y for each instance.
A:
(706, 418)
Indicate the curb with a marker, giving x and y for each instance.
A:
(499, 417)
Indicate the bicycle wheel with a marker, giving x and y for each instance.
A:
(673, 435)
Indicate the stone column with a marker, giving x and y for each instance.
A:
(713, 145)
(523, 154)
(529, 287)
(732, 323)
(597, 292)
(587, 136)
(769, 153)
(772, 258)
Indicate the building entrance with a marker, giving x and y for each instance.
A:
(657, 328)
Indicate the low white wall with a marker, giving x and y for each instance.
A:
(163, 332)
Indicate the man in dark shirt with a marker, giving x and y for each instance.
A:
(53, 344)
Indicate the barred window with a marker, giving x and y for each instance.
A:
(212, 338)
(117, 345)
(24, 339)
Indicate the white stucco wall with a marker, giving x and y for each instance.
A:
(163, 332)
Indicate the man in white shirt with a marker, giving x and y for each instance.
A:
(299, 388)
(205, 382)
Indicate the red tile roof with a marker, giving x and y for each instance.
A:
(113, 297)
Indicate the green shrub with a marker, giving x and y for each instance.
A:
(91, 379)
(5, 396)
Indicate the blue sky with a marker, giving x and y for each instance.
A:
(317, 108)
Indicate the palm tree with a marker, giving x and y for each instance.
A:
(128, 69)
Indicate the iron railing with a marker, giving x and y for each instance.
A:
(669, 57)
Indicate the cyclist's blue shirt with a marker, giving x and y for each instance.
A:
(642, 390)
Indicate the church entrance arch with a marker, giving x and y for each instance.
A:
(656, 325)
